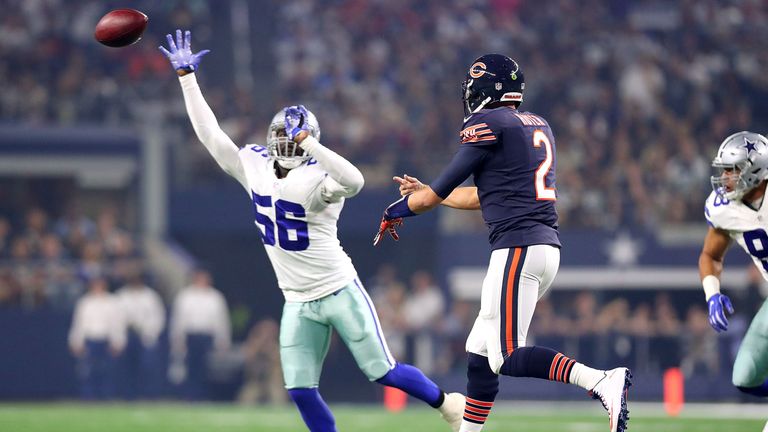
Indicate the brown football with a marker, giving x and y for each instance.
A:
(120, 27)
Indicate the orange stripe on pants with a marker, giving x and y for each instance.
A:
(508, 301)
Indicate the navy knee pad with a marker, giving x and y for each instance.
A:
(482, 383)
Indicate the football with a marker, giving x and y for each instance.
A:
(121, 27)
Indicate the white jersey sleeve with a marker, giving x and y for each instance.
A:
(716, 212)
(208, 131)
(344, 180)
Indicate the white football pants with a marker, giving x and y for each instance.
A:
(517, 278)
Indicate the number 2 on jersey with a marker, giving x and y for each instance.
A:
(284, 223)
(542, 191)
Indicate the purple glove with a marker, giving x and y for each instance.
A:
(180, 53)
(296, 120)
(717, 318)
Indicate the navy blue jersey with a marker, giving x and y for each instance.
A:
(511, 155)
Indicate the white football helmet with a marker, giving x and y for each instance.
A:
(287, 153)
(742, 163)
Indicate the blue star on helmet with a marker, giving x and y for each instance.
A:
(749, 145)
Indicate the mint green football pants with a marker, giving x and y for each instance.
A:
(751, 366)
(305, 334)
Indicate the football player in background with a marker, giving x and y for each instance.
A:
(512, 157)
(735, 210)
(298, 187)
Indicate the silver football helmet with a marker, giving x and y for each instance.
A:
(287, 153)
(742, 163)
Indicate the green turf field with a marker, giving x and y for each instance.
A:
(70, 417)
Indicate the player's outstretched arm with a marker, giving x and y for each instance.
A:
(204, 122)
(710, 267)
(409, 205)
(428, 197)
(463, 198)
(461, 166)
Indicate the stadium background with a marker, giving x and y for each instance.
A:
(639, 96)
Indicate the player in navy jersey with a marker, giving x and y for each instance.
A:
(511, 155)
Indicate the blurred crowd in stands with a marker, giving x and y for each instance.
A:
(49, 260)
(639, 94)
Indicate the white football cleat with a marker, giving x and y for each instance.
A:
(452, 410)
(612, 392)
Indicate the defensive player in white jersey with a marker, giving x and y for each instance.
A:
(736, 210)
(298, 187)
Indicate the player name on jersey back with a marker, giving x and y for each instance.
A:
(528, 119)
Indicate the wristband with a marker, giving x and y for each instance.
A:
(711, 286)
(399, 209)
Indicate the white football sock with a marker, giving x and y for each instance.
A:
(584, 376)
(470, 427)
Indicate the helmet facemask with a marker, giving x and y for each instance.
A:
(729, 181)
(286, 152)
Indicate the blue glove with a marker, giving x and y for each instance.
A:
(296, 120)
(180, 53)
(717, 318)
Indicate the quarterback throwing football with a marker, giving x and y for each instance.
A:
(511, 155)
(298, 187)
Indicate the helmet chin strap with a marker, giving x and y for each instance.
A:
(482, 104)
(756, 203)
(734, 195)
